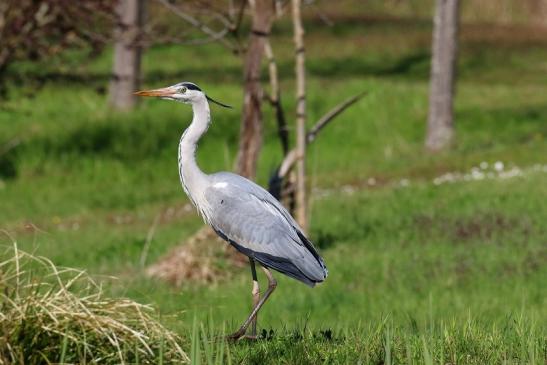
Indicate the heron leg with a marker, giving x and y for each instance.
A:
(256, 296)
(272, 284)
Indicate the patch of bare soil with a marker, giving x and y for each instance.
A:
(483, 227)
(486, 227)
(203, 258)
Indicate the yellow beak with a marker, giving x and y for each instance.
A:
(166, 91)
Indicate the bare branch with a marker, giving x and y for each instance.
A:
(237, 25)
(221, 18)
(43, 28)
(197, 24)
(189, 42)
(324, 18)
(288, 163)
(333, 113)
(291, 157)
(279, 5)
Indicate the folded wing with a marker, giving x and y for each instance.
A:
(257, 225)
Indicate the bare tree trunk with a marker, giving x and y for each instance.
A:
(275, 99)
(440, 123)
(127, 53)
(281, 188)
(250, 135)
(300, 69)
(538, 11)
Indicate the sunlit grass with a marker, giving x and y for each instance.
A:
(419, 272)
(61, 315)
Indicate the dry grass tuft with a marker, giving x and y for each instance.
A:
(60, 315)
(202, 258)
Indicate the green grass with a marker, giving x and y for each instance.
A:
(453, 273)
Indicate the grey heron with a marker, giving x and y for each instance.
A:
(240, 211)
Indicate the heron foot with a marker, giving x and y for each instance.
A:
(250, 337)
(236, 336)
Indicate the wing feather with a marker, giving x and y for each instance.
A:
(254, 222)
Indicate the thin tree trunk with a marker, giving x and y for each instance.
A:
(301, 208)
(250, 135)
(440, 123)
(278, 186)
(275, 99)
(538, 11)
(127, 53)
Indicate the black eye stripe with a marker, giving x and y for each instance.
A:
(191, 86)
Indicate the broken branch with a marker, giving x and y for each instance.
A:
(197, 24)
(291, 157)
(333, 113)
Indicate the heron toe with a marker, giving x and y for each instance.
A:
(236, 336)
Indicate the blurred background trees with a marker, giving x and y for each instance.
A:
(31, 29)
(440, 120)
(126, 71)
(36, 29)
(250, 135)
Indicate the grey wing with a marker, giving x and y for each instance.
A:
(257, 225)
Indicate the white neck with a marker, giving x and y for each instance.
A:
(192, 178)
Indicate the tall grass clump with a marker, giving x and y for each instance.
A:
(50, 314)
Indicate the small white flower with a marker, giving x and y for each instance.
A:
(484, 165)
(404, 182)
(477, 175)
(498, 166)
(371, 181)
(515, 171)
(348, 189)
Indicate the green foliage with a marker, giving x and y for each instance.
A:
(419, 273)
(467, 342)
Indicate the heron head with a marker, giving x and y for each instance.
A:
(184, 92)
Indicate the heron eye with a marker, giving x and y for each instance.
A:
(182, 90)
